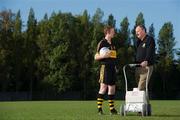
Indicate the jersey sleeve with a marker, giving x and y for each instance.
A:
(100, 45)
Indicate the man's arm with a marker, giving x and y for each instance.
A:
(149, 52)
(99, 57)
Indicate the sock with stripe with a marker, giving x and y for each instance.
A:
(100, 101)
(111, 102)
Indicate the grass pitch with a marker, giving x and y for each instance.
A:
(81, 110)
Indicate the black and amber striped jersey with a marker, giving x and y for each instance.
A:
(111, 47)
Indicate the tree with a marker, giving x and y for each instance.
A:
(166, 42)
(6, 35)
(85, 57)
(31, 50)
(97, 29)
(63, 55)
(111, 21)
(17, 49)
(44, 49)
(151, 31)
(178, 54)
(125, 32)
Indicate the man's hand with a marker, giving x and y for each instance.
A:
(144, 63)
(98, 56)
(107, 55)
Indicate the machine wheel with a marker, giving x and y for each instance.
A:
(144, 110)
(149, 110)
(122, 110)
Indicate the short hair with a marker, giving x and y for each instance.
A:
(107, 29)
(142, 27)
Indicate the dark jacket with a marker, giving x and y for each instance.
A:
(145, 50)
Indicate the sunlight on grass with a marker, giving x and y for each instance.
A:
(80, 110)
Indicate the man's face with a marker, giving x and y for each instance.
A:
(140, 32)
(112, 32)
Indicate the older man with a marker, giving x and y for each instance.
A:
(144, 56)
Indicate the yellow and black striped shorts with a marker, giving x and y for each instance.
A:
(107, 74)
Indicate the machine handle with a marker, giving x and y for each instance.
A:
(134, 65)
(125, 77)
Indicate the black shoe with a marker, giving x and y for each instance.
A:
(113, 112)
(100, 112)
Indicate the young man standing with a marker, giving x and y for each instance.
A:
(107, 71)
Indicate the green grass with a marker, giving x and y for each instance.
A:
(80, 110)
